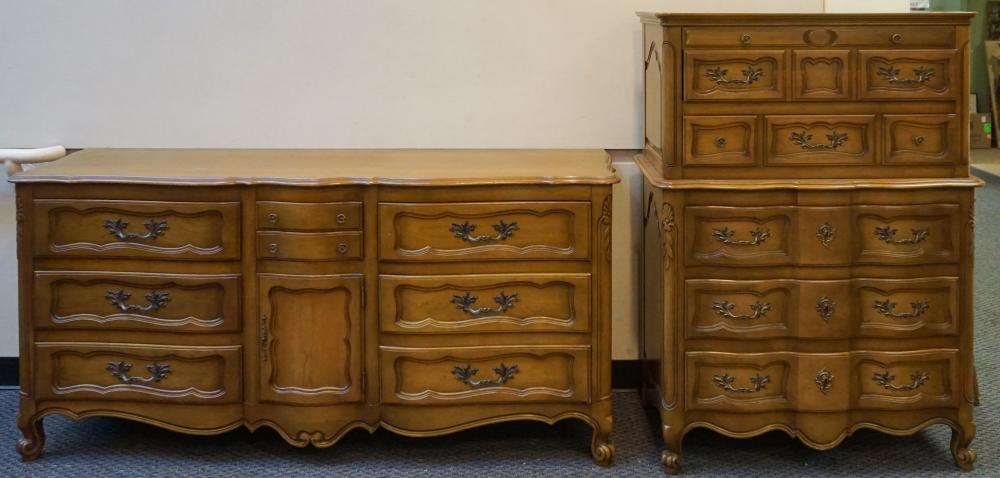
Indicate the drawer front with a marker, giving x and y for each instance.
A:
(910, 74)
(490, 374)
(906, 380)
(157, 373)
(740, 382)
(302, 246)
(922, 139)
(153, 229)
(490, 231)
(739, 235)
(484, 303)
(822, 74)
(137, 301)
(834, 309)
(734, 74)
(820, 140)
(719, 140)
(289, 216)
(894, 36)
(928, 233)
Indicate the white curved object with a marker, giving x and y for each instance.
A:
(14, 158)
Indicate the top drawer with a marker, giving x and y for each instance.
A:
(889, 36)
(484, 231)
(152, 229)
(291, 216)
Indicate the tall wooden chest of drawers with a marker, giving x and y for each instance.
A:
(808, 226)
(315, 292)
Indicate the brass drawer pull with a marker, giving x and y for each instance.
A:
(341, 218)
(825, 233)
(465, 374)
(272, 218)
(157, 300)
(757, 383)
(918, 140)
(824, 380)
(465, 231)
(745, 38)
(720, 142)
(120, 369)
(896, 38)
(154, 228)
(887, 308)
(465, 303)
(825, 306)
(273, 248)
(342, 248)
(803, 139)
(263, 338)
(757, 236)
(921, 75)
(718, 75)
(888, 235)
(725, 309)
(885, 380)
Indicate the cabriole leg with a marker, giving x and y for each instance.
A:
(30, 445)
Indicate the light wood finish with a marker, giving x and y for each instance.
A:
(354, 302)
(808, 226)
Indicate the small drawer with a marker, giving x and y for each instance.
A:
(894, 36)
(924, 234)
(302, 246)
(484, 231)
(488, 374)
(739, 235)
(147, 373)
(904, 308)
(905, 380)
(741, 382)
(137, 301)
(734, 74)
(822, 74)
(820, 140)
(922, 139)
(484, 303)
(720, 140)
(152, 229)
(287, 216)
(909, 74)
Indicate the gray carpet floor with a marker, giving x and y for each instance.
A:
(110, 447)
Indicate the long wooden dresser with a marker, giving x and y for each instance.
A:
(316, 292)
(808, 226)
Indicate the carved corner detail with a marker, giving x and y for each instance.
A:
(605, 224)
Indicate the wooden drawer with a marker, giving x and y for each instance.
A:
(739, 235)
(152, 229)
(290, 216)
(921, 139)
(148, 373)
(820, 140)
(137, 301)
(892, 35)
(822, 74)
(484, 303)
(720, 140)
(909, 74)
(484, 231)
(740, 382)
(927, 233)
(822, 309)
(905, 380)
(734, 74)
(305, 246)
(488, 374)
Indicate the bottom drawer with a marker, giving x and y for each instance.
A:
(494, 374)
(149, 373)
(759, 382)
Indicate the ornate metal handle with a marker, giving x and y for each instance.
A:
(757, 236)
(825, 306)
(887, 308)
(757, 383)
(465, 374)
(885, 380)
(465, 231)
(825, 233)
(725, 309)
(803, 139)
(824, 380)
(921, 75)
(154, 228)
(263, 338)
(718, 75)
(888, 235)
(157, 300)
(120, 369)
(465, 303)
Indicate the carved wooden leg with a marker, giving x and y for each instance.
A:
(30, 446)
(960, 441)
(601, 447)
(671, 457)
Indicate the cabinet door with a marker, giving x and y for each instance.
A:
(310, 337)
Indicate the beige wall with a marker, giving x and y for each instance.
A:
(337, 74)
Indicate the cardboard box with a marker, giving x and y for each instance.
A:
(980, 131)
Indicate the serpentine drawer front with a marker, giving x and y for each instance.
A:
(315, 292)
(808, 226)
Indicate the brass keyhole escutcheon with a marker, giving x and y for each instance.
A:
(341, 218)
(342, 248)
(720, 142)
(273, 248)
(918, 140)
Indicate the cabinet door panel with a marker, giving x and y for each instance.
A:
(821, 74)
(310, 333)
